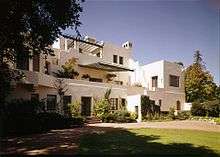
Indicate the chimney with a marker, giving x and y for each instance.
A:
(127, 45)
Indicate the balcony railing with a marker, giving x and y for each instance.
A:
(37, 78)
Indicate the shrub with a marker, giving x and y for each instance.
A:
(74, 109)
(29, 118)
(149, 109)
(198, 109)
(212, 108)
(23, 107)
(171, 114)
(209, 108)
(101, 108)
(118, 116)
(183, 115)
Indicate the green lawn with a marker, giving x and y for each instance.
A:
(152, 142)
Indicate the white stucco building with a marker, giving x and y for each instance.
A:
(100, 66)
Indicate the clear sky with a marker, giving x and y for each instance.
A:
(159, 30)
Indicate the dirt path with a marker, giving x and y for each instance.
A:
(66, 141)
(187, 124)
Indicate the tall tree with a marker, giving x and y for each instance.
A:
(199, 84)
(31, 26)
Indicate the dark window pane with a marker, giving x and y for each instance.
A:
(115, 59)
(95, 79)
(36, 62)
(51, 102)
(174, 81)
(120, 60)
(154, 81)
(66, 101)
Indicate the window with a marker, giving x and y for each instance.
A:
(119, 82)
(136, 110)
(178, 106)
(114, 103)
(98, 55)
(154, 81)
(123, 103)
(51, 102)
(95, 79)
(120, 60)
(174, 81)
(66, 100)
(36, 62)
(80, 50)
(115, 59)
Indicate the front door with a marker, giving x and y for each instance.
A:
(86, 106)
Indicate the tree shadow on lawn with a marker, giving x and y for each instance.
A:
(119, 141)
(97, 140)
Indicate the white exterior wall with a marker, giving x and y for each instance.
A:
(164, 92)
(150, 70)
(132, 101)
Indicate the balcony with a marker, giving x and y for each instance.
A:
(36, 78)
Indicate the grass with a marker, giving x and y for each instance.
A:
(152, 142)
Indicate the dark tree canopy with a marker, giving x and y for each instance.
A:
(32, 25)
(28, 27)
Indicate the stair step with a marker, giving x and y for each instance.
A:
(91, 120)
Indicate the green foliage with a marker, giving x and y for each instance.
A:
(171, 114)
(107, 94)
(30, 27)
(183, 115)
(148, 107)
(199, 85)
(68, 70)
(23, 107)
(75, 109)
(209, 108)
(7, 77)
(101, 108)
(118, 117)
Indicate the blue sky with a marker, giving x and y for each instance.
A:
(168, 30)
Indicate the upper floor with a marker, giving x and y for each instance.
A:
(94, 61)
(159, 75)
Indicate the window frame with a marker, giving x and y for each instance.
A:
(154, 84)
(121, 60)
(115, 59)
(114, 104)
(175, 82)
(53, 108)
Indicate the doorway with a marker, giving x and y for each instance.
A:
(86, 106)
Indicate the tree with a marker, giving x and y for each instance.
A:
(199, 84)
(67, 70)
(61, 87)
(30, 27)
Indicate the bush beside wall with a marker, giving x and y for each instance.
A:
(29, 118)
(209, 108)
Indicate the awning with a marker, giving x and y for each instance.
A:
(106, 67)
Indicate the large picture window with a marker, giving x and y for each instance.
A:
(174, 81)
(51, 102)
